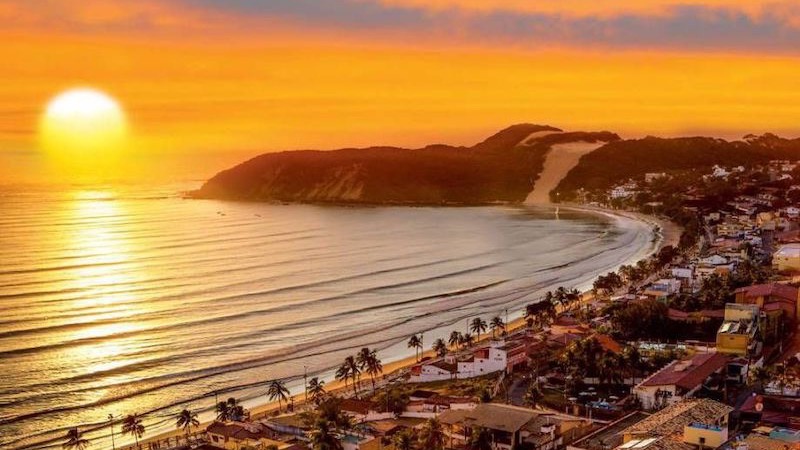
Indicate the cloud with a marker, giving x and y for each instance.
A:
(602, 9)
(771, 26)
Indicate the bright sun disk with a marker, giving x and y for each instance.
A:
(82, 128)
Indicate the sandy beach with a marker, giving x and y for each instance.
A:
(667, 233)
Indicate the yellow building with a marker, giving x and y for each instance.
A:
(738, 333)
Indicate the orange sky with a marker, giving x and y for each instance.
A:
(205, 86)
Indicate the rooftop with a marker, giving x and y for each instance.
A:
(688, 373)
(783, 291)
(672, 419)
(494, 416)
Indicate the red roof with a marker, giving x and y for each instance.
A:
(240, 430)
(688, 374)
(773, 290)
(362, 407)
(608, 343)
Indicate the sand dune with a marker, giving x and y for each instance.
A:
(560, 159)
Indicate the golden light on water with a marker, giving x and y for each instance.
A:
(83, 131)
(100, 244)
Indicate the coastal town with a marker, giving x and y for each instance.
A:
(694, 347)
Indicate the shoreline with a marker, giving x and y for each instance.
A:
(663, 231)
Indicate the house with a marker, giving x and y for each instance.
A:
(738, 334)
(679, 380)
(652, 176)
(363, 410)
(238, 435)
(780, 304)
(433, 406)
(787, 258)
(498, 356)
(664, 288)
(686, 425)
(512, 427)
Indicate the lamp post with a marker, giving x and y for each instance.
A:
(111, 424)
(305, 384)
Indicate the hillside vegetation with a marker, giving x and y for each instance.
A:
(502, 168)
(623, 159)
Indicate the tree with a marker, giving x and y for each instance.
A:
(343, 373)
(223, 412)
(633, 361)
(415, 342)
(403, 440)
(277, 390)
(132, 424)
(497, 324)
(362, 358)
(760, 375)
(231, 410)
(533, 395)
(74, 440)
(323, 438)
(316, 388)
(455, 339)
(354, 371)
(186, 419)
(374, 367)
(481, 439)
(467, 339)
(432, 436)
(478, 326)
(440, 347)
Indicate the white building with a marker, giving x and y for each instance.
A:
(482, 361)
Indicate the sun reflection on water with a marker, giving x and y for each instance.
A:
(104, 271)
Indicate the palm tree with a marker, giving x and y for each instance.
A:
(415, 342)
(316, 388)
(455, 339)
(354, 371)
(478, 326)
(343, 373)
(633, 361)
(132, 424)
(186, 420)
(322, 438)
(374, 367)
(439, 347)
(467, 340)
(74, 440)
(362, 357)
(497, 323)
(236, 411)
(403, 440)
(277, 391)
(432, 436)
(223, 412)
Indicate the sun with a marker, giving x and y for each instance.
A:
(82, 128)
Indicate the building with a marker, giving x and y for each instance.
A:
(240, 435)
(779, 305)
(363, 410)
(498, 356)
(687, 425)
(512, 427)
(763, 295)
(738, 334)
(679, 380)
(787, 258)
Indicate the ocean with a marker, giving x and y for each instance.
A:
(115, 300)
